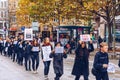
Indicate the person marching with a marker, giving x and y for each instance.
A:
(6, 44)
(35, 55)
(1, 46)
(28, 49)
(46, 59)
(81, 64)
(101, 61)
(10, 48)
(58, 61)
(15, 51)
(20, 53)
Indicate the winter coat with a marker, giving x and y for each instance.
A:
(11, 48)
(99, 60)
(81, 63)
(28, 49)
(21, 51)
(58, 62)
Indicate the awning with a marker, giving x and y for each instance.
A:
(13, 28)
(74, 27)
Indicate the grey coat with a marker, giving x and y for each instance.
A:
(58, 62)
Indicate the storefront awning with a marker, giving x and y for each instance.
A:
(13, 28)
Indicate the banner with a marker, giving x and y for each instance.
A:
(85, 37)
(46, 53)
(111, 68)
(28, 34)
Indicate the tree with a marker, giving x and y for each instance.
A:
(45, 10)
(23, 13)
(106, 9)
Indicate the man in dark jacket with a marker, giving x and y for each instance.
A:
(28, 56)
(101, 61)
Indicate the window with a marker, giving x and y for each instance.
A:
(1, 13)
(13, 18)
(1, 4)
(1, 25)
(5, 14)
(5, 4)
(55, 20)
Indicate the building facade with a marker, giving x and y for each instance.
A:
(4, 19)
(13, 5)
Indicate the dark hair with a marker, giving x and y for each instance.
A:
(33, 43)
(58, 43)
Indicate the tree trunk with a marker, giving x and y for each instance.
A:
(110, 39)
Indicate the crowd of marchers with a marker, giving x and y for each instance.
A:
(27, 53)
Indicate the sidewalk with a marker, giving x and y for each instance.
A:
(12, 71)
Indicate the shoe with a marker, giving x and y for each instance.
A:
(29, 69)
(46, 77)
(34, 72)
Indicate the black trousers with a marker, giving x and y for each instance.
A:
(84, 75)
(14, 56)
(46, 67)
(28, 62)
(20, 58)
(1, 49)
(102, 76)
(35, 61)
(58, 76)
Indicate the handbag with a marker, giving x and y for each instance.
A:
(90, 47)
(94, 71)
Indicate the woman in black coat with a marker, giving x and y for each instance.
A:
(58, 62)
(81, 64)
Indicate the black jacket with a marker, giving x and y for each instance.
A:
(28, 49)
(58, 62)
(81, 64)
(99, 60)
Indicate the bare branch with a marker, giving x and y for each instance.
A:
(95, 12)
(112, 20)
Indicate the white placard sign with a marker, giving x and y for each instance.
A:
(46, 53)
(28, 34)
(111, 68)
(85, 37)
(35, 26)
(59, 49)
(35, 49)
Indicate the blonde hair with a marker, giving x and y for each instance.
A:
(103, 44)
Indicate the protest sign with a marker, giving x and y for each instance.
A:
(59, 49)
(85, 37)
(28, 34)
(111, 68)
(35, 49)
(46, 52)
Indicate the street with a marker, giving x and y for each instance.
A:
(12, 71)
